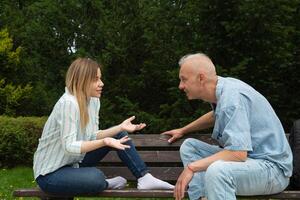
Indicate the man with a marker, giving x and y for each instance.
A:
(253, 156)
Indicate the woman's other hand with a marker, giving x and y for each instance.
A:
(117, 143)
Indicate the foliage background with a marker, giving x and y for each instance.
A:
(139, 43)
(19, 139)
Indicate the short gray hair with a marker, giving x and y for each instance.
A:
(208, 67)
(189, 56)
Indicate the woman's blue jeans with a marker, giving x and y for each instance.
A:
(88, 179)
(224, 179)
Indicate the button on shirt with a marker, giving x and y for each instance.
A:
(60, 143)
(245, 121)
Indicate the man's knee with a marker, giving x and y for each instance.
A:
(186, 147)
(217, 172)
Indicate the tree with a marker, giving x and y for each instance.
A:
(11, 96)
(139, 44)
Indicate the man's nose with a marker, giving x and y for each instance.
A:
(180, 86)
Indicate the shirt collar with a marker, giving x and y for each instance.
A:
(67, 91)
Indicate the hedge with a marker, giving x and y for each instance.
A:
(19, 139)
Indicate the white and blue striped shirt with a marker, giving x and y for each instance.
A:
(60, 143)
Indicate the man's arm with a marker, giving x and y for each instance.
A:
(205, 121)
(226, 155)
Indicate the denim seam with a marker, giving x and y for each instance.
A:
(137, 171)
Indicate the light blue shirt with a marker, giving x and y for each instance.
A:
(60, 143)
(244, 120)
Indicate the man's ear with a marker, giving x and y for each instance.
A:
(201, 77)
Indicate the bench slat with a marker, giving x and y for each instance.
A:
(36, 192)
(158, 157)
(149, 141)
(157, 141)
(164, 173)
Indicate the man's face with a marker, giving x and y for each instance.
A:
(189, 81)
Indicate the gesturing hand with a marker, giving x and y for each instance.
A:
(175, 133)
(115, 143)
(126, 125)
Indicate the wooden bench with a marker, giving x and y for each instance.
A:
(162, 159)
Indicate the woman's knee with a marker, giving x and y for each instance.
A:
(96, 180)
(121, 134)
(74, 181)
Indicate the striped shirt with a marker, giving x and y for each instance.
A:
(60, 143)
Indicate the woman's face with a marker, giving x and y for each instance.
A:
(96, 86)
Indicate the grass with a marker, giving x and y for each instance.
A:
(11, 179)
(22, 177)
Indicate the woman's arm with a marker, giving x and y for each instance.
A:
(110, 132)
(87, 146)
(126, 125)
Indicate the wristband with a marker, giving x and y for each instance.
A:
(189, 167)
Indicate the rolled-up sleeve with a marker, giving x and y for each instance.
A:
(70, 127)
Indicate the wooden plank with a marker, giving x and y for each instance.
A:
(36, 192)
(165, 173)
(134, 193)
(283, 195)
(159, 157)
(158, 141)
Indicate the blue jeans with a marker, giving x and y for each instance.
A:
(225, 179)
(88, 179)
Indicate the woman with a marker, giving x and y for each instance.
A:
(71, 144)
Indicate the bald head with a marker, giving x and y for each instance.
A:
(198, 77)
(199, 63)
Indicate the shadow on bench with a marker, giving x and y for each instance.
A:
(163, 161)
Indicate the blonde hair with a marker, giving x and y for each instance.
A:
(79, 78)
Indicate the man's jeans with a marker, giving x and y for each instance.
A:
(87, 178)
(225, 180)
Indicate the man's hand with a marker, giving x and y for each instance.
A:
(118, 144)
(182, 183)
(175, 133)
(126, 125)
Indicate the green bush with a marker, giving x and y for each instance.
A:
(19, 139)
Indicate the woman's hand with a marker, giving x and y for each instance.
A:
(126, 125)
(115, 143)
